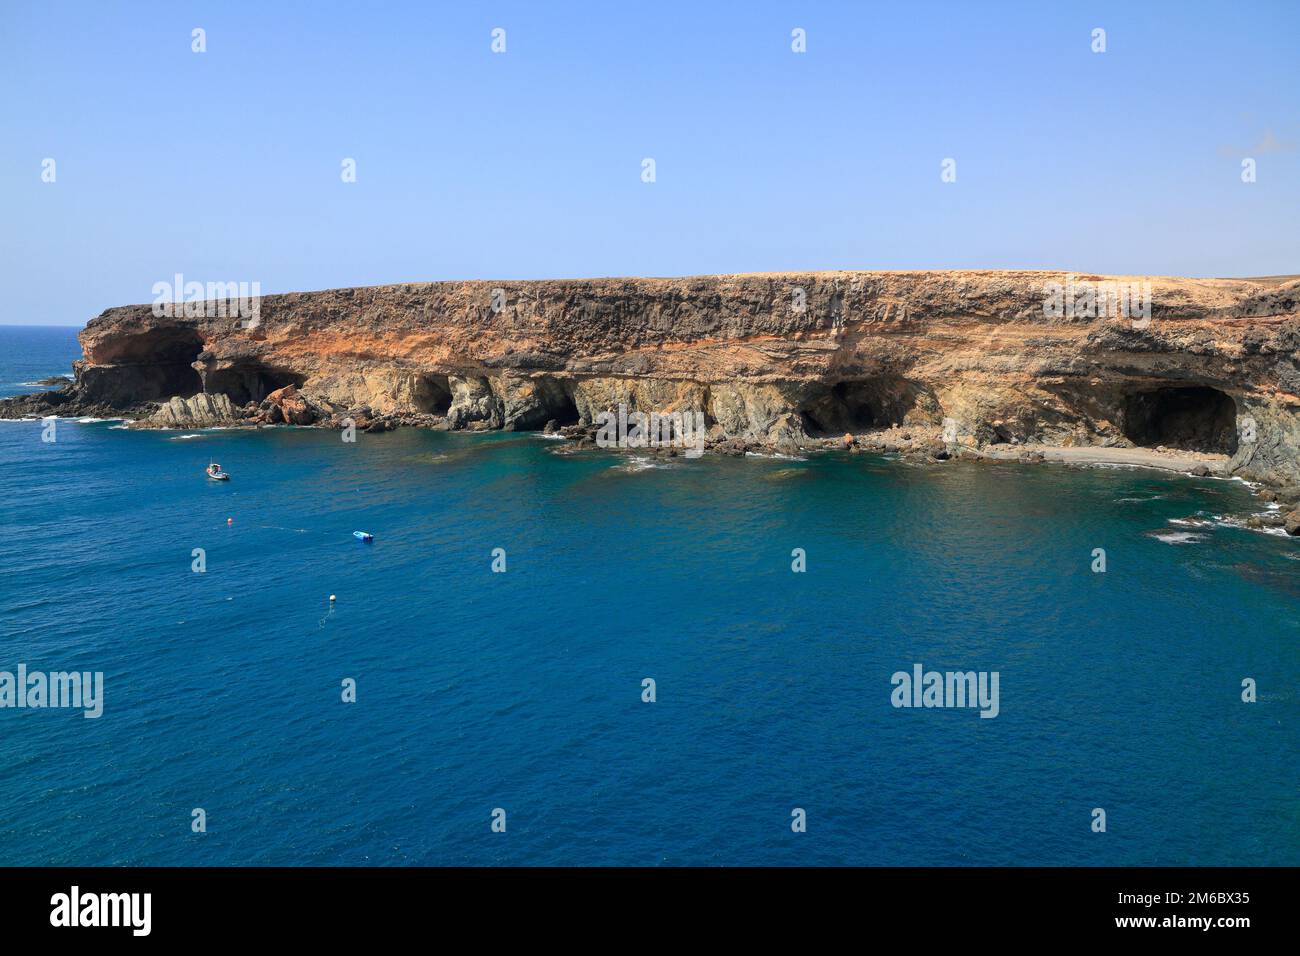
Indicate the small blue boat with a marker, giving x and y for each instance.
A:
(363, 536)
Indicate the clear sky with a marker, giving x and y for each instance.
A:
(226, 165)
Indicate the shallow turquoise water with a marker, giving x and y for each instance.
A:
(522, 690)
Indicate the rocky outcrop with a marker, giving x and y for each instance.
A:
(778, 360)
(474, 404)
(198, 411)
(288, 406)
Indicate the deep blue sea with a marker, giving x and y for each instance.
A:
(523, 690)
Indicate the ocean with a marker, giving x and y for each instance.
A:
(478, 691)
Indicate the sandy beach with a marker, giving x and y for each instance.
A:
(1181, 461)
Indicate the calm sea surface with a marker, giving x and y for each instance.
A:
(478, 690)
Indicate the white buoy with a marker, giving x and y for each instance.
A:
(331, 599)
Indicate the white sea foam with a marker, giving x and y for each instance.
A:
(640, 464)
(183, 437)
(1177, 537)
(774, 454)
(1113, 465)
(1237, 521)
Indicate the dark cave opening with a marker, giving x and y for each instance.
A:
(179, 379)
(432, 394)
(857, 405)
(1189, 418)
(150, 365)
(561, 406)
(553, 401)
(249, 382)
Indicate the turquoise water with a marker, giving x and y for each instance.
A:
(478, 690)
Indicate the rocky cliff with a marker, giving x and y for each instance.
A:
(774, 359)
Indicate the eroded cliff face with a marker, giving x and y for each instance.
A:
(776, 359)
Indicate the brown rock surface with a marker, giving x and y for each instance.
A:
(287, 405)
(1213, 370)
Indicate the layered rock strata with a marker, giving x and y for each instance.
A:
(774, 360)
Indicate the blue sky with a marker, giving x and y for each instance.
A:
(225, 165)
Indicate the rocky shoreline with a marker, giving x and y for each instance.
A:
(928, 365)
(288, 407)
